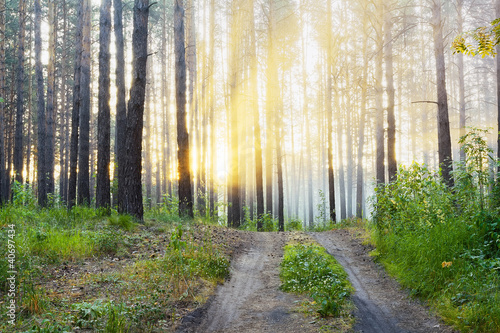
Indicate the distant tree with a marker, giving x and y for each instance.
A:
(18, 142)
(84, 133)
(42, 188)
(185, 194)
(3, 174)
(103, 198)
(51, 101)
(444, 137)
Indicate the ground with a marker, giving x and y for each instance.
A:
(252, 302)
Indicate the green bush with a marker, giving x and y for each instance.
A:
(309, 269)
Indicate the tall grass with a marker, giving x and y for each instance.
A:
(444, 244)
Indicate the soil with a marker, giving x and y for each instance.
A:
(252, 302)
(382, 306)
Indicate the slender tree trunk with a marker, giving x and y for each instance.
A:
(461, 76)
(444, 138)
(18, 142)
(392, 164)
(42, 189)
(185, 194)
(84, 135)
(329, 116)
(361, 126)
(148, 128)
(103, 198)
(497, 13)
(64, 128)
(379, 90)
(211, 93)
(279, 164)
(3, 175)
(51, 101)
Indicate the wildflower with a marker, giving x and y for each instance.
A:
(446, 264)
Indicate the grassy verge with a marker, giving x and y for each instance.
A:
(83, 270)
(443, 244)
(308, 270)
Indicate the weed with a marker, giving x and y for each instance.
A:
(309, 269)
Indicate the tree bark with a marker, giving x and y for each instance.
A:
(42, 190)
(3, 175)
(135, 113)
(392, 164)
(379, 91)
(51, 101)
(444, 137)
(84, 135)
(461, 76)
(103, 198)
(185, 194)
(329, 115)
(18, 142)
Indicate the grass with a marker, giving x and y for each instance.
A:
(442, 244)
(308, 269)
(160, 273)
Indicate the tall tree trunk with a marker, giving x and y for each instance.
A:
(497, 13)
(3, 174)
(84, 135)
(234, 216)
(51, 101)
(18, 143)
(379, 91)
(64, 129)
(211, 94)
(329, 116)
(392, 164)
(42, 189)
(185, 194)
(150, 100)
(135, 113)
(361, 126)
(121, 105)
(279, 167)
(461, 76)
(103, 198)
(444, 138)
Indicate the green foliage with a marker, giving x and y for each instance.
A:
(122, 221)
(444, 244)
(294, 224)
(309, 269)
(481, 41)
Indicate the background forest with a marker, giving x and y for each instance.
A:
(276, 92)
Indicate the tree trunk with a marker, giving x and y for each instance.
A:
(379, 91)
(329, 116)
(3, 175)
(234, 216)
(51, 101)
(185, 194)
(392, 164)
(135, 113)
(444, 138)
(84, 136)
(211, 93)
(461, 76)
(103, 198)
(361, 126)
(64, 129)
(497, 13)
(18, 143)
(42, 190)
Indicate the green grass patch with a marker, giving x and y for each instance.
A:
(308, 269)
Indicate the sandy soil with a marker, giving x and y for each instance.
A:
(252, 302)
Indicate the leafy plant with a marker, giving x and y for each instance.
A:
(309, 269)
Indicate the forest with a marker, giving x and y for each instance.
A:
(140, 130)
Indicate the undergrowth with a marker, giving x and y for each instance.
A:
(444, 244)
(308, 269)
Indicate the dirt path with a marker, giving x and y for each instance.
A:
(251, 300)
(382, 305)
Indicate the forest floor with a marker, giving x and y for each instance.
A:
(252, 302)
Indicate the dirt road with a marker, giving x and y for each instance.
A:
(251, 301)
(381, 304)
